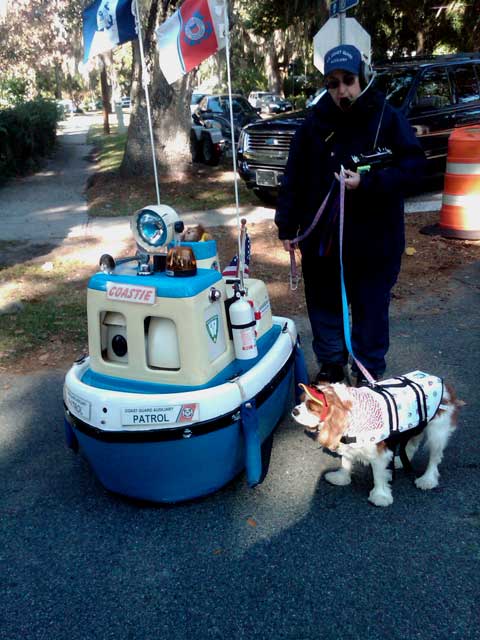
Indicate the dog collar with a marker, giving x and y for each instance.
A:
(316, 396)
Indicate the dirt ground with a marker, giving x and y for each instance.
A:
(428, 264)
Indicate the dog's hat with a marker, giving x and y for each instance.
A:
(317, 396)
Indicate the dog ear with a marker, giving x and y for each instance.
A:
(336, 420)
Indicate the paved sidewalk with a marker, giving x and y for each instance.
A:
(50, 205)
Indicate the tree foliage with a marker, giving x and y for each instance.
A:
(42, 46)
(37, 37)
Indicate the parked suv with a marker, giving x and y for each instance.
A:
(211, 135)
(435, 94)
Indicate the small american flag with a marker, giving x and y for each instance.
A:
(232, 270)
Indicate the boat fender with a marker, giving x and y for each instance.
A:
(300, 371)
(242, 319)
(253, 450)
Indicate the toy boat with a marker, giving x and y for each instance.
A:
(167, 407)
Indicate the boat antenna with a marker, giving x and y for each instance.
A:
(241, 253)
(145, 83)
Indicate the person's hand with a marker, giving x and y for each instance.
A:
(352, 179)
(287, 245)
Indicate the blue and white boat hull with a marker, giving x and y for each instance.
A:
(138, 449)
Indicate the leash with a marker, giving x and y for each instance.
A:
(346, 324)
(294, 277)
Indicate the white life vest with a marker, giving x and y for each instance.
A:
(393, 405)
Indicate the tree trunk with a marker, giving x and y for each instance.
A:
(58, 80)
(272, 70)
(105, 95)
(170, 110)
(420, 42)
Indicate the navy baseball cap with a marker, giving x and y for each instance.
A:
(345, 57)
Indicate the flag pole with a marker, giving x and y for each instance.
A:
(241, 256)
(145, 83)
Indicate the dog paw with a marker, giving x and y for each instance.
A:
(427, 482)
(340, 478)
(380, 498)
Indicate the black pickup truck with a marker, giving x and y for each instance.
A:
(436, 94)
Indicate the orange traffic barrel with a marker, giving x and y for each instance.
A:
(460, 213)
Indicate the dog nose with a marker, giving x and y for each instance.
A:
(295, 411)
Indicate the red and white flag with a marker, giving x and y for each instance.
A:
(192, 34)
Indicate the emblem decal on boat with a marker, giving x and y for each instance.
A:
(187, 412)
(212, 328)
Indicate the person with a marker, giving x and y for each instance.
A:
(351, 119)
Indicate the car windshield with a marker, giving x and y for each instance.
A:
(272, 98)
(239, 105)
(395, 84)
(196, 97)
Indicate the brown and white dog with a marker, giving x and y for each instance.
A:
(357, 424)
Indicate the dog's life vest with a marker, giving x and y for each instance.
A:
(393, 405)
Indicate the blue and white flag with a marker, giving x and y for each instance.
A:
(106, 24)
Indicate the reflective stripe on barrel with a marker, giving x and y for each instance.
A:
(460, 214)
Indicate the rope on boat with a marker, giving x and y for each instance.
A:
(241, 253)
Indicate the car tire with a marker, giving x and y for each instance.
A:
(195, 148)
(267, 197)
(210, 155)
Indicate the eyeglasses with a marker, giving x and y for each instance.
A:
(334, 83)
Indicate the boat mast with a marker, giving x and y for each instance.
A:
(145, 83)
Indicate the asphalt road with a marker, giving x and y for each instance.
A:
(293, 558)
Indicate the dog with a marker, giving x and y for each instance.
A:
(370, 424)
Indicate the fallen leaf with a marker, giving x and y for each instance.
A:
(217, 552)
(251, 522)
(410, 251)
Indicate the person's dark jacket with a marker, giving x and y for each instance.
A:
(374, 225)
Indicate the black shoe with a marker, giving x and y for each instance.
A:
(329, 373)
(362, 381)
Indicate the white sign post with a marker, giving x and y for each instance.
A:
(329, 36)
(339, 8)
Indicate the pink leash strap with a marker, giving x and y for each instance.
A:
(294, 277)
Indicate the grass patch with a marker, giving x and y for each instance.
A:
(109, 149)
(41, 323)
(52, 296)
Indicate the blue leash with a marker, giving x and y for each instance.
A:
(346, 323)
